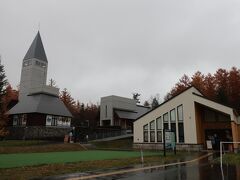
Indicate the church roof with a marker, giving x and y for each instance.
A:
(36, 49)
(41, 103)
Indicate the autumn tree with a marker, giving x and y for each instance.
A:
(3, 115)
(11, 97)
(184, 82)
(82, 114)
(68, 100)
(210, 87)
(234, 87)
(198, 81)
(221, 81)
(223, 86)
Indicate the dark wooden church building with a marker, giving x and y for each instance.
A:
(39, 113)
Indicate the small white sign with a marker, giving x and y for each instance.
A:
(209, 144)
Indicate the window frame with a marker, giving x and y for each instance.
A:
(171, 120)
(157, 123)
(146, 133)
(178, 107)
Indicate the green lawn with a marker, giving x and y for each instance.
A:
(30, 159)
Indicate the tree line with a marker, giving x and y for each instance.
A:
(223, 86)
(83, 114)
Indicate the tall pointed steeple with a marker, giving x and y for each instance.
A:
(36, 49)
(34, 68)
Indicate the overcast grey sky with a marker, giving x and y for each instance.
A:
(103, 47)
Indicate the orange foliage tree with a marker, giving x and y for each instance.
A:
(68, 100)
(81, 113)
(223, 86)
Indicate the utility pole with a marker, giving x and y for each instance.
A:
(164, 143)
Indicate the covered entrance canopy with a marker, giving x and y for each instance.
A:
(214, 121)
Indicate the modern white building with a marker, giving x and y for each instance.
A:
(192, 117)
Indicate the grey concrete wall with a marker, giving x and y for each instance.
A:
(159, 146)
(114, 102)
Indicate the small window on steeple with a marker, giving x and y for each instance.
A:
(27, 63)
(40, 64)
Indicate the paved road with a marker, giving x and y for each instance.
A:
(201, 170)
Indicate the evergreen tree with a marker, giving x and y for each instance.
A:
(136, 97)
(155, 101)
(146, 104)
(3, 116)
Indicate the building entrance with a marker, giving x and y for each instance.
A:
(217, 135)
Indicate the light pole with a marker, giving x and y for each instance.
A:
(164, 143)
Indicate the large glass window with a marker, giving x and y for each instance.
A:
(173, 121)
(181, 132)
(172, 116)
(152, 131)
(159, 129)
(152, 136)
(180, 113)
(159, 136)
(145, 133)
(159, 123)
(152, 125)
(180, 124)
(165, 121)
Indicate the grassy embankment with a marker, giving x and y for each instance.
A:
(123, 144)
(8, 147)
